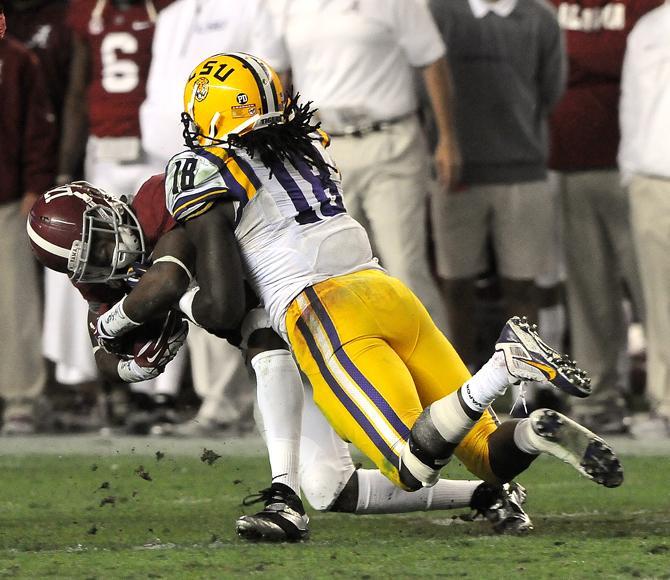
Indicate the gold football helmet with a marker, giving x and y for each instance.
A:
(230, 94)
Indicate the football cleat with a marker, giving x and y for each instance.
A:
(283, 518)
(529, 358)
(570, 442)
(501, 505)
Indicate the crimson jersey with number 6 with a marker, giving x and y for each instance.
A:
(119, 45)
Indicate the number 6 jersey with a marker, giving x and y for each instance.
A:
(291, 226)
(119, 47)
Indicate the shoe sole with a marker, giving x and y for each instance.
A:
(260, 530)
(585, 451)
(568, 377)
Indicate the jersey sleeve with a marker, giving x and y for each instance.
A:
(417, 32)
(149, 208)
(193, 184)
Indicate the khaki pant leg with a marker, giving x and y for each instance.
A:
(597, 320)
(650, 216)
(23, 370)
(386, 182)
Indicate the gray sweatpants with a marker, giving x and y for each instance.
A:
(599, 257)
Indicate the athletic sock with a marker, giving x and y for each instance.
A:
(455, 414)
(487, 384)
(280, 400)
(377, 495)
(525, 437)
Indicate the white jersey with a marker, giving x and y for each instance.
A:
(291, 225)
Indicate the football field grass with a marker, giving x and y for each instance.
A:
(131, 515)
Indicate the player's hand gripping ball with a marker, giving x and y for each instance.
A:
(155, 343)
(148, 348)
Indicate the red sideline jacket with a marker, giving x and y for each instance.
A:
(27, 124)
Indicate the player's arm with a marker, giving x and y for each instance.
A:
(199, 199)
(219, 305)
(73, 137)
(437, 79)
(158, 290)
(166, 280)
(107, 363)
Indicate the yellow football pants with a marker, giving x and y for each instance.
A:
(376, 360)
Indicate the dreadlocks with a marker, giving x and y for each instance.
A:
(291, 140)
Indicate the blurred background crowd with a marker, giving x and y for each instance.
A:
(507, 157)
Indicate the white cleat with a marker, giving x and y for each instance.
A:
(568, 441)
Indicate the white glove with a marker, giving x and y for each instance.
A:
(130, 372)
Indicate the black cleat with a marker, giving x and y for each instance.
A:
(501, 505)
(282, 520)
(576, 445)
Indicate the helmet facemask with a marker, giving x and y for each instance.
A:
(114, 221)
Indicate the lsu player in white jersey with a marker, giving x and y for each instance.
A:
(258, 194)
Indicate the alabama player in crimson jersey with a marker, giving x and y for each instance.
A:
(109, 67)
(116, 237)
(97, 261)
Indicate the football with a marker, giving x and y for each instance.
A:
(151, 338)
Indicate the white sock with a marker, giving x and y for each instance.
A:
(525, 437)
(280, 400)
(377, 495)
(487, 384)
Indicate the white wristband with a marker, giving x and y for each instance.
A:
(186, 303)
(115, 321)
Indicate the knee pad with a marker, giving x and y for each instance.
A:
(424, 455)
(322, 483)
(256, 319)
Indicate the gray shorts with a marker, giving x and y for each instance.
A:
(519, 218)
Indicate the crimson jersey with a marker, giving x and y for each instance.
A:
(119, 44)
(155, 221)
(149, 207)
(585, 123)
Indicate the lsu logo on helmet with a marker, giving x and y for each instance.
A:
(201, 89)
